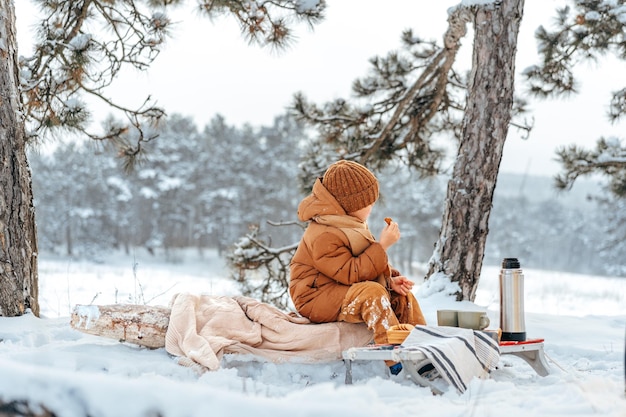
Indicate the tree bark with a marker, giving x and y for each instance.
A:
(18, 236)
(460, 248)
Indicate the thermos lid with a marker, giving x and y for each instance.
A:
(510, 263)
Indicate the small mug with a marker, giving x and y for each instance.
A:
(476, 320)
(447, 318)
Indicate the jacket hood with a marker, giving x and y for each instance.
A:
(319, 202)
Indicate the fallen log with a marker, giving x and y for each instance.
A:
(132, 323)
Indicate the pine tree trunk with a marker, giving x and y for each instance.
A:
(460, 248)
(18, 236)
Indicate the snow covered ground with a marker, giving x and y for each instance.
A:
(43, 360)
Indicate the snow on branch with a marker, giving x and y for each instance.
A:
(608, 158)
(260, 270)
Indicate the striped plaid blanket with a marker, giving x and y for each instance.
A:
(458, 354)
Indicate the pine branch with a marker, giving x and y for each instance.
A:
(69, 60)
(608, 159)
(266, 23)
(253, 254)
(408, 99)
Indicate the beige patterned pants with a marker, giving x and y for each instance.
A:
(379, 308)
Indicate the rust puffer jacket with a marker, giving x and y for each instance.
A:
(323, 267)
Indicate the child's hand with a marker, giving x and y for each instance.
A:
(389, 235)
(402, 285)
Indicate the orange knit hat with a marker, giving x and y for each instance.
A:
(353, 186)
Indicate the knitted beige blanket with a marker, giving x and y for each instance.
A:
(202, 328)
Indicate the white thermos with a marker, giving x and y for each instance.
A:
(512, 301)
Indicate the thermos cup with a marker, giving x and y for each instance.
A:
(512, 301)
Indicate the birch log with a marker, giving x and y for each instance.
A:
(137, 324)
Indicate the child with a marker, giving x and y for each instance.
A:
(339, 271)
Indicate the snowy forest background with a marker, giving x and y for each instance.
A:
(203, 187)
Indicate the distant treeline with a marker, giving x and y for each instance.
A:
(205, 188)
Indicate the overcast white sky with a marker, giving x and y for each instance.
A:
(208, 68)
